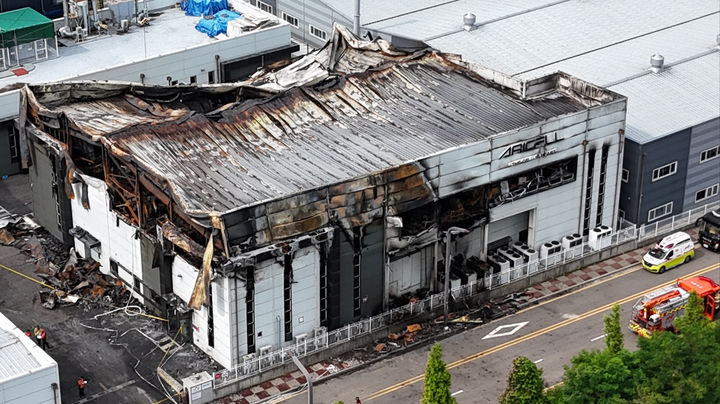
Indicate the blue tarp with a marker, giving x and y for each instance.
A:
(217, 23)
(203, 7)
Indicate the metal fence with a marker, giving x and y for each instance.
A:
(321, 339)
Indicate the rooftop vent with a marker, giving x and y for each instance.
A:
(469, 21)
(656, 62)
(717, 40)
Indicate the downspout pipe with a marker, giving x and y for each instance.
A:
(356, 20)
(65, 12)
(95, 14)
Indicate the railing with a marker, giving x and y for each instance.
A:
(254, 364)
(680, 220)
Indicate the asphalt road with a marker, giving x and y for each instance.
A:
(480, 358)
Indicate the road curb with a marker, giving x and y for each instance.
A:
(552, 295)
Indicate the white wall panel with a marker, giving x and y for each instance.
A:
(183, 278)
(32, 387)
(269, 307)
(306, 291)
(223, 349)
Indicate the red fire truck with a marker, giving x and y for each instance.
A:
(658, 309)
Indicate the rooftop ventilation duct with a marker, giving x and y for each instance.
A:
(469, 21)
(717, 40)
(656, 62)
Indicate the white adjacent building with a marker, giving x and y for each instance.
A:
(27, 373)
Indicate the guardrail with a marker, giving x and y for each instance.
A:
(254, 364)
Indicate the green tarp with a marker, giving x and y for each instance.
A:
(23, 26)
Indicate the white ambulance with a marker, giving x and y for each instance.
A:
(671, 251)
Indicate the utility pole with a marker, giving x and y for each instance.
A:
(446, 291)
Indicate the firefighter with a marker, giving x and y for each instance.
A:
(81, 382)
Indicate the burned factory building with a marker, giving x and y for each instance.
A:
(308, 198)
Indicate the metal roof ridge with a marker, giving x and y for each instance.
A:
(490, 21)
(665, 67)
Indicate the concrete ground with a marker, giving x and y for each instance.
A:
(16, 195)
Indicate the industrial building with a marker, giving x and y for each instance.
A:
(133, 47)
(663, 55)
(312, 196)
(27, 373)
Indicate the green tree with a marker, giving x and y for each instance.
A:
(525, 383)
(693, 317)
(437, 379)
(613, 332)
(682, 367)
(599, 377)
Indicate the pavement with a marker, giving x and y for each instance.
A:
(281, 386)
(117, 353)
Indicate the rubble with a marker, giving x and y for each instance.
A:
(82, 278)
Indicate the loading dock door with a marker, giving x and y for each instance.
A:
(515, 227)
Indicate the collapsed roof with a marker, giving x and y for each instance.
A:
(302, 146)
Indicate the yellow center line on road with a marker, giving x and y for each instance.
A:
(584, 288)
(533, 335)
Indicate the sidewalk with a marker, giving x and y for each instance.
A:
(534, 294)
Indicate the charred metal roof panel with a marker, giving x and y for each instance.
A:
(351, 109)
(312, 137)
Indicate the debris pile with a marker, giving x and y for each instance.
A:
(23, 233)
(80, 278)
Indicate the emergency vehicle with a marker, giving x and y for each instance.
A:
(671, 251)
(658, 309)
(710, 230)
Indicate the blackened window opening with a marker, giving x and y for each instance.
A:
(250, 309)
(287, 296)
(601, 186)
(211, 321)
(323, 285)
(588, 191)
(357, 259)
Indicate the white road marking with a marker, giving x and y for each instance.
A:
(513, 329)
(569, 316)
(538, 361)
(456, 393)
(597, 338)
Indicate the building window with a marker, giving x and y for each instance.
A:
(664, 171)
(174, 83)
(291, 20)
(601, 185)
(709, 154)
(264, 7)
(193, 79)
(588, 191)
(318, 33)
(706, 193)
(625, 175)
(660, 211)
(211, 77)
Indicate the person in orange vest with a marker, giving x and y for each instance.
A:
(41, 336)
(81, 382)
